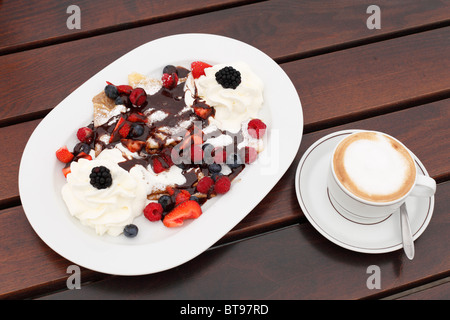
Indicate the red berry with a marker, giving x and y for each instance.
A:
(249, 154)
(182, 196)
(222, 185)
(137, 117)
(66, 171)
(198, 68)
(124, 89)
(256, 128)
(85, 135)
(125, 130)
(157, 166)
(205, 184)
(187, 210)
(196, 153)
(153, 211)
(169, 80)
(138, 97)
(203, 111)
(64, 155)
(133, 145)
(220, 155)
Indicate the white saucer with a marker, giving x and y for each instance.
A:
(312, 194)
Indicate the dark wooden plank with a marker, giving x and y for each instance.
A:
(32, 23)
(281, 28)
(425, 129)
(292, 263)
(435, 292)
(372, 79)
(280, 208)
(27, 265)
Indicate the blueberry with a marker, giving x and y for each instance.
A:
(195, 199)
(170, 69)
(136, 130)
(123, 100)
(111, 92)
(234, 160)
(214, 168)
(130, 230)
(166, 203)
(81, 147)
(215, 176)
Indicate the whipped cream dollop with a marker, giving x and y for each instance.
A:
(232, 106)
(106, 210)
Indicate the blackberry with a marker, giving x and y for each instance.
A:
(100, 177)
(228, 77)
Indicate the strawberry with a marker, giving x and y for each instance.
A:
(203, 111)
(198, 68)
(64, 155)
(133, 145)
(157, 166)
(169, 80)
(137, 117)
(170, 190)
(125, 130)
(85, 135)
(116, 128)
(187, 210)
(220, 155)
(124, 89)
(182, 196)
(82, 155)
(66, 171)
(196, 154)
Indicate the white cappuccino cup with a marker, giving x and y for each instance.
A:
(371, 175)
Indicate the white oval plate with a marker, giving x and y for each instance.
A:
(156, 248)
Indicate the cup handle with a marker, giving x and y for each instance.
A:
(425, 186)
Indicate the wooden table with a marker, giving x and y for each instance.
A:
(395, 79)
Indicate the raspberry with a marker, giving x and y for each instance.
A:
(256, 128)
(169, 80)
(153, 211)
(205, 184)
(138, 97)
(85, 135)
(222, 185)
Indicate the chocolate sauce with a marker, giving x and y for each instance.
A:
(170, 101)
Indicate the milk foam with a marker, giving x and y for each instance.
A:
(375, 166)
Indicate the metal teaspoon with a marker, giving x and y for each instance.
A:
(408, 243)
